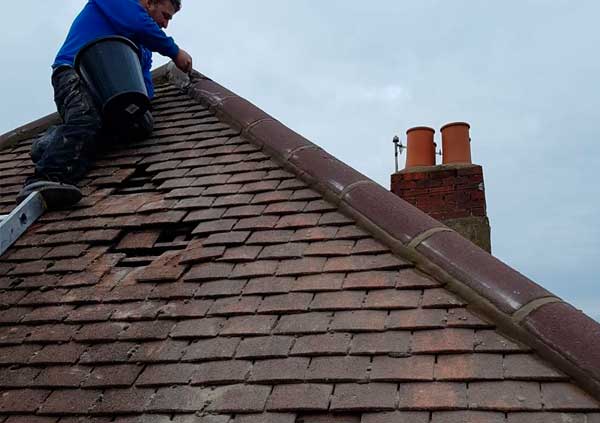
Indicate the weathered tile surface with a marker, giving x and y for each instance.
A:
(199, 281)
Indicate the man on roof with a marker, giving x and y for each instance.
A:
(64, 154)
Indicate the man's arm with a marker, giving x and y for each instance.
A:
(131, 19)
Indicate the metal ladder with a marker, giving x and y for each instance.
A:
(22, 217)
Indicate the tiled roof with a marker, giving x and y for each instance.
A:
(225, 271)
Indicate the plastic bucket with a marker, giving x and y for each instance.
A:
(111, 68)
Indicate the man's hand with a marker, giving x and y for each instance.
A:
(183, 61)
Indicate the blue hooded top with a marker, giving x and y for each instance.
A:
(127, 18)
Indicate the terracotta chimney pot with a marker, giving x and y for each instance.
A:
(420, 147)
(456, 143)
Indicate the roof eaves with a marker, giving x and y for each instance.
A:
(520, 307)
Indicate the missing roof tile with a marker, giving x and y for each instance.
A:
(141, 248)
(139, 181)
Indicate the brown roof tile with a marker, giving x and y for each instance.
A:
(300, 397)
(338, 300)
(198, 328)
(166, 374)
(286, 303)
(433, 396)
(64, 402)
(155, 351)
(548, 418)
(322, 344)
(221, 288)
(22, 400)
(249, 325)
(239, 398)
(118, 376)
(232, 306)
(359, 321)
(124, 401)
(265, 347)
(395, 416)
(303, 323)
(266, 418)
(390, 299)
(221, 372)
(68, 353)
(505, 396)
(468, 417)
(108, 353)
(565, 396)
(416, 319)
(364, 397)
(185, 309)
(443, 340)
(322, 282)
(394, 343)
(338, 369)
(254, 269)
(211, 349)
(290, 250)
(402, 369)
(469, 367)
(179, 399)
(268, 285)
(528, 367)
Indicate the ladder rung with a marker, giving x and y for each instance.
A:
(22, 217)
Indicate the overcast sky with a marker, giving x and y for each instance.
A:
(351, 74)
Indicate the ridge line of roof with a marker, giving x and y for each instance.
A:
(560, 333)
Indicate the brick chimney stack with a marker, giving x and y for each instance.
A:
(452, 192)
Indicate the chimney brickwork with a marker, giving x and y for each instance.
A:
(453, 193)
(443, 192)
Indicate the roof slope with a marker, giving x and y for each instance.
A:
(226, 271)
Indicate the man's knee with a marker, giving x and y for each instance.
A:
(73, 101)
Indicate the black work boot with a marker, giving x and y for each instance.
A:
(56, 194)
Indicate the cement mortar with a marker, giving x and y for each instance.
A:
(476, 229)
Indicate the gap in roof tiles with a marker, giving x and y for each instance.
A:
(141, 248)
(138, 182)
(179, 233)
